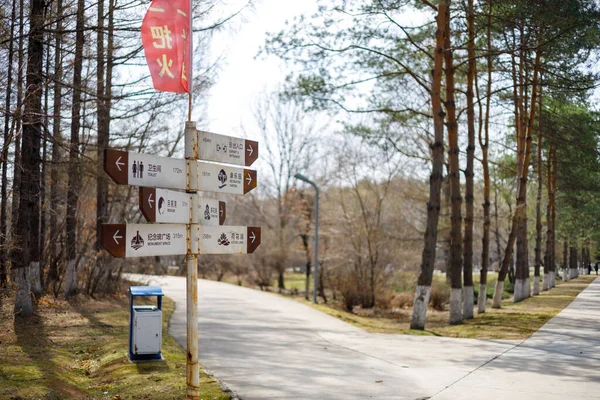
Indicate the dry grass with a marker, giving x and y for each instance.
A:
(78, 350)
(513, 321)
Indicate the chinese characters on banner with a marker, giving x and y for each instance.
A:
(166, 40)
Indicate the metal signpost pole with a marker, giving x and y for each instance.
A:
(192, 366)
(316, 259)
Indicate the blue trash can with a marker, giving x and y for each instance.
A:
(145, 324)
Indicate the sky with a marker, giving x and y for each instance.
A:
(244, 76)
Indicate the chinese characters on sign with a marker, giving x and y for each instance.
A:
(166, 41)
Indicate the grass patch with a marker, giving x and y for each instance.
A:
(516, 321)
(78, 350)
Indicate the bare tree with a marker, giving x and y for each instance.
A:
(74, 185)
(26, 255)
(289, 139)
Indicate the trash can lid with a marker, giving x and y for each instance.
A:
(145, 291)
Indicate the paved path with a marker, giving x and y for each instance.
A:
(264, 346)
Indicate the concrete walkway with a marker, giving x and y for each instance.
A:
(560, 361)
(264, 346)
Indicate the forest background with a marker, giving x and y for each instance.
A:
(452, 136)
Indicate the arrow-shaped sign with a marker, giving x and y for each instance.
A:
(226, 149)
(225, 179)
(144, 240)
(139, 169)
(175, 207)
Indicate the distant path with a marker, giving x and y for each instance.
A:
(264, 346)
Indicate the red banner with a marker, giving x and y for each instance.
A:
(166, 40)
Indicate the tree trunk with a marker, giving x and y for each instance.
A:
(548, 251)
(468, 300)
(7, 140)
(484, 143)
(56, 156)
(37, 281)
(74, 174)
(454, 174)
(435, 181)
(572, 261)
(553, 208)
(16, 131)
(520, 209)
(538, 218)
(103, 121)
(27, 254)
(565, 264)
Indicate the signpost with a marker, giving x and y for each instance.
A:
(167, 206)
(185, 222)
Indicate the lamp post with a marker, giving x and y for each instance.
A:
(315, 262)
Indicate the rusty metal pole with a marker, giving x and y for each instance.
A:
(192, 366)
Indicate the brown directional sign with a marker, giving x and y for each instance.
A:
(227, 179)
(226, 149)
(116, 164)
(222, 212)
(171, 207)
(139, 169)
(144, 240)
(250, 181)
(112, 237)
(251, 152)
(253, 238)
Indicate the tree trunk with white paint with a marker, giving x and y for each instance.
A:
(482, 299)
(23, 302)
(456, 256)
(420, 306)
(71, 278)
(435, 182)
(33, 276)
(468, 302)
(498, 291)
(455, 306)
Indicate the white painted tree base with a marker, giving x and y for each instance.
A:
(526, 288)
(468, 302)
(545, 282)
(552, 282)
(455, 306)
(564, 275)
(419, 314)
(33, 276)
(518, 295)
(23, 302)
(71, 278)
(536, 285)
(481, 299)
(497, 300)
